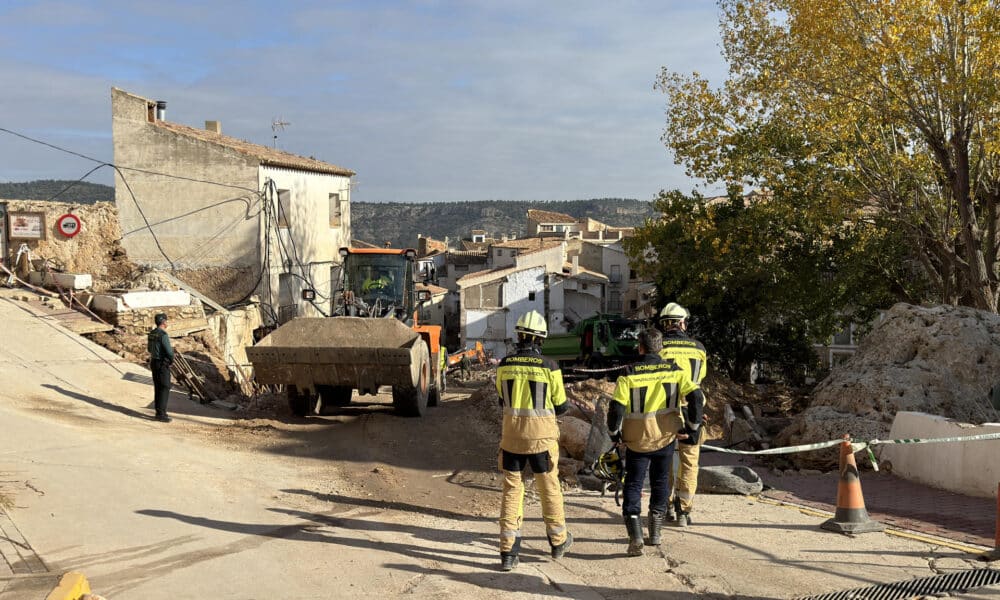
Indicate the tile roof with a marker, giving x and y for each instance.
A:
(267, 156)
(532, 243)
(545, 216)
(491, 274)
(433, 289)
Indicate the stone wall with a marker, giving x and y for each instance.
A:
(139, 321)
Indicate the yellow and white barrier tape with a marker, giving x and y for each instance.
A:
(856, 446)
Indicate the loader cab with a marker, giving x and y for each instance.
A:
(376, 283)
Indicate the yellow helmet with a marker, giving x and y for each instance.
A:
(673, 312)
(532, 323)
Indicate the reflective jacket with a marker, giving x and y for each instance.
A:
(646, 405)
(158, 345)
(530, 387)
(686, 352)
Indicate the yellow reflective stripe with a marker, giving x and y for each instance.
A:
(510, 533)
(528, 412)
(651, 415)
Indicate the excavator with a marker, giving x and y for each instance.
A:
(372, 338)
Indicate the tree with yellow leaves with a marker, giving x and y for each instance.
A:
(884, 112)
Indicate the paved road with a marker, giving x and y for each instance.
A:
(152, 511)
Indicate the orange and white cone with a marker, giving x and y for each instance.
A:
(851, 515)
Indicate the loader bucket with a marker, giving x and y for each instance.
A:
(356, 352)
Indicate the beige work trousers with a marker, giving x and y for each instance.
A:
(684, 485)
(512, 506)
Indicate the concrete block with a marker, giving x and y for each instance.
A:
(106, 303)
(73, 281)
(36, 277)
(969, 468)
(156, 299)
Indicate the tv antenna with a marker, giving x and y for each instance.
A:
(276, 125)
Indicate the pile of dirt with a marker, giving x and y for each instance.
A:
(940, 360)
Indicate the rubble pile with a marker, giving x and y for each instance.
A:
(95, 250)
(941, 360)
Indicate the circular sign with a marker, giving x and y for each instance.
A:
(69, 225)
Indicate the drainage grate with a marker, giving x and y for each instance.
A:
(912, 588)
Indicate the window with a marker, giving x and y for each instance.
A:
(335, 210)
(633, 304)
(531, 296)
(615, 302)
(616, 274)
(287, 306)
(631, 274)
(499, 253)
(284, 207)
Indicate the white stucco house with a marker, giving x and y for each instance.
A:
(228, 217)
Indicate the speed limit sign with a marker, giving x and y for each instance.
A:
(69, 225)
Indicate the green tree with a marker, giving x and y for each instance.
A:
(885, 111)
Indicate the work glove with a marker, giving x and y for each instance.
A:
(692, 436)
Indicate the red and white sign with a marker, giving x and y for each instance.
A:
(69, 225)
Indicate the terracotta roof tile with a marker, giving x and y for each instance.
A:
(267, 156)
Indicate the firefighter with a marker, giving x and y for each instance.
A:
(531, 392)
(688, 354)
(646, 416)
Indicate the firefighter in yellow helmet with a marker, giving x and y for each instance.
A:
(688, 354)
(530, 387)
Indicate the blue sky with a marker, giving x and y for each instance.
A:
(426, 101)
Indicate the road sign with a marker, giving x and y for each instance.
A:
(69, 225)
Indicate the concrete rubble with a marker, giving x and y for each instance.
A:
(941, 360)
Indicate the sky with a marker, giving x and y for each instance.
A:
(426, 101)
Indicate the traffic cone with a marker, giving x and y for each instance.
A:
(851, 515)
(994, 554)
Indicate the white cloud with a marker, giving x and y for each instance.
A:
(425, 100)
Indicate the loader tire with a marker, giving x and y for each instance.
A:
(410, 400)
(302, 405)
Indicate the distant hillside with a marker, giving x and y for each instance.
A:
(397, 222)
(400, 223)
(82, 192)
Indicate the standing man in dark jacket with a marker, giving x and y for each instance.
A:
(161, 356)
(645, 415)
(688, 354)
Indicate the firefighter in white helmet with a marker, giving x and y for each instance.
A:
(688, 354)
(531, 392)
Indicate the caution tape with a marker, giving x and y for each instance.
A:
(857, 446)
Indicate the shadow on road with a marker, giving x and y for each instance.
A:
(98, 402)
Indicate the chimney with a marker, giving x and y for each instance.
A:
(213, 126)
(576, 266)
(161, 110)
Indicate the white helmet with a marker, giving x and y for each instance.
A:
(673, 312)
(532, 323)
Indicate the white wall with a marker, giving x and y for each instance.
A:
(971, 468)
(495, 328)
(309, 235)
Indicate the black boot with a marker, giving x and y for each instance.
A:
(509, 560)
(655, 526)
(560, 550)
(671, 515)
(633, 525)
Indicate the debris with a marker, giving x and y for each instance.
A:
(729, 480)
